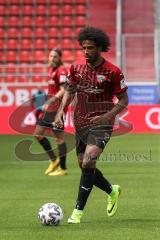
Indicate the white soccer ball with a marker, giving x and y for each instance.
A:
(50, 214)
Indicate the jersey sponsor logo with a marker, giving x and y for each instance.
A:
(51, 82)
(62, 78)
(101, 78)
(123, 83)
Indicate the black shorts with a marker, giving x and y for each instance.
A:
(47, 119)
(98, 136)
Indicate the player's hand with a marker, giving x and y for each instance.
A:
(60, 117)
(45, 107)
(103, 119)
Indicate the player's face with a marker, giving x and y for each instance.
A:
(54, 59)
(91, 52)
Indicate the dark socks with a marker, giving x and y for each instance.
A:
(48, 148)
(62, 154)
(101, 182)
(85, 187)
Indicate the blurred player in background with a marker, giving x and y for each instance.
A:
(38, 100)
(96, 82)
(57, 79)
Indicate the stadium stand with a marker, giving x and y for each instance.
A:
(29, 29)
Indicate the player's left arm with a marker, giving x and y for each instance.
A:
(120, 91)
(118, 107)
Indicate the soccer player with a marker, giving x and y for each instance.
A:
(96, 82)
(57, 79)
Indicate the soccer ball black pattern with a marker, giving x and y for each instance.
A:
(50, 214)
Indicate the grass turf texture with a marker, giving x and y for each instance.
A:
(24, 188)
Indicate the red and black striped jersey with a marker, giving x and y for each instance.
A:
(99, 84)
(95, 87)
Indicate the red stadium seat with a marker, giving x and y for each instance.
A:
(2, 59)
(52, 43)
(10, 68)
(26, 32)
(78, 54)
(14, 2)
(41, 10)
(41, 2)
(39, 43)
(26, 21)
(10, 78)
(39, 32)
(39, 56)
(80, 10)
(21, 78)
(25, 44)
(66, 44)
(77, 30)
(54, 2)
(12, 32)
(53, 21)
(80, 21)
(27, 10)
(54, 10)
(13, 21)
(2, 44)
(13, 10)
(40, 21)
(66, 32)
(67, 1)
(11, 56)
(37, 78)
(38, 68)
(67, 56)
(67, 21)
(22, 68)
(3, 10)
(76, 45)
(28, 1)
(12, 44)
(2, 32)
(3, 2)
(67, 9)
(2, 21)
(53, 32)
(81, 1)
(24, 56)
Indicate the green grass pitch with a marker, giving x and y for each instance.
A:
(133, 161)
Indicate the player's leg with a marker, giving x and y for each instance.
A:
(92, 176)
(44, 142)
(101, 138)
(62, 148)
(91, 153)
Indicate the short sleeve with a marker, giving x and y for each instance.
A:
(119, 83)
(62, 75)
(71, 80)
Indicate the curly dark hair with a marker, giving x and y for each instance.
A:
(99, 37)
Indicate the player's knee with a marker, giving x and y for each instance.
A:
(80, 161)
(89, 160)
(87, 164)
(39, 138)
(59, 140)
